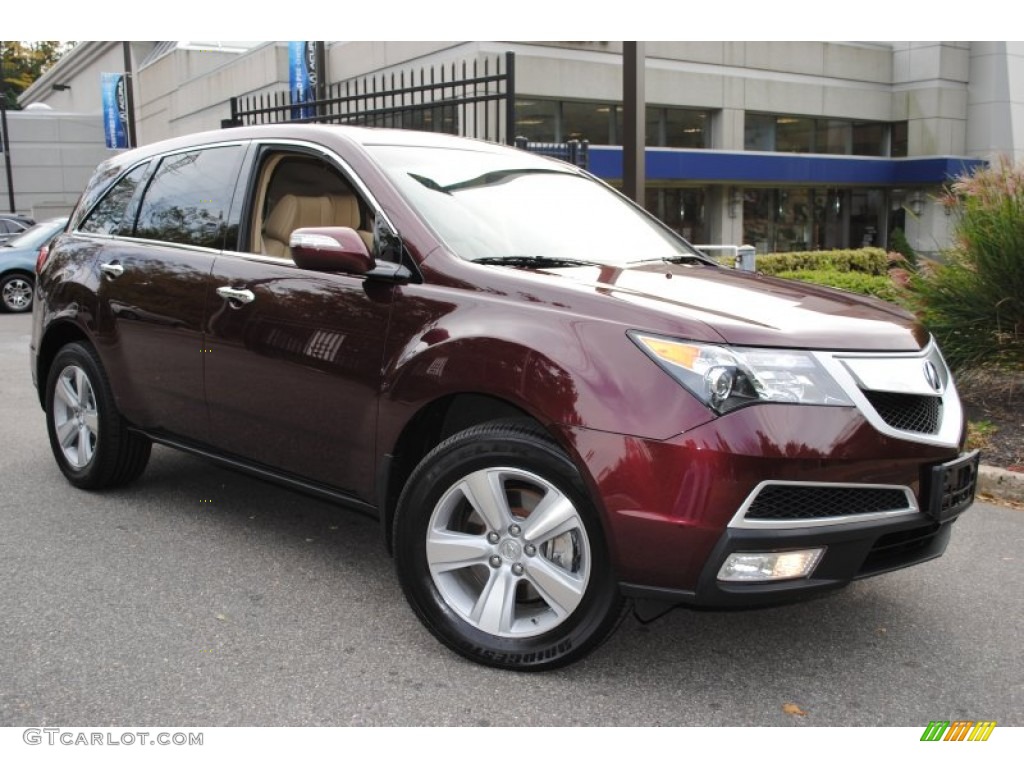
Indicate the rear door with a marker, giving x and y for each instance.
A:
(155, 274)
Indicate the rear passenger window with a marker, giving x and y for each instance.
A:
(189, 197)
(110, 216)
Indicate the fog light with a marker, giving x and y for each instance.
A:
(770, 566)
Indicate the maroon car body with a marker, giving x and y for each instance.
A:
(685, 427)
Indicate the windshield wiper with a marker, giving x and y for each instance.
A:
(536, 261)
(681, 258)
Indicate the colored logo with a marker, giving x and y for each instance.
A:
(958, 730)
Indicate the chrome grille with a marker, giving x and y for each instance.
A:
(909, 413)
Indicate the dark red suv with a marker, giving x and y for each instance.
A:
(550, 401)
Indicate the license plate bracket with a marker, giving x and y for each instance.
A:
(952, 486)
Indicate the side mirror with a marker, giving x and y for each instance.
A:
(330, 249)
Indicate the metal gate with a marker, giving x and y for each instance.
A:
(473, 98)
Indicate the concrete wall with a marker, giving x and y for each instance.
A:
(189, 89)
(995, 100)
(81, 69)
(930, 91)
(52, 157)
(808, 78)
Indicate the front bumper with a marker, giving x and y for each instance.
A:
(853, 551)
(674, 510)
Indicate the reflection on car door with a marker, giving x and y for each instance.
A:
(154, 286)
(150, 281)
(294, 366)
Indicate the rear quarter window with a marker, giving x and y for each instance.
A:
(111, 215)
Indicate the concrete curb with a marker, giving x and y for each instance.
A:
(1001, 484)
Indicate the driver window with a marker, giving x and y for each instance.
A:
(296, 191)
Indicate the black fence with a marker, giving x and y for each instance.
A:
(474, 98)
(469, 98)
(572, 151)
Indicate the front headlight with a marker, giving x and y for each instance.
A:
(726, 378)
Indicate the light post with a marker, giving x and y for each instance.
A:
(6, 139)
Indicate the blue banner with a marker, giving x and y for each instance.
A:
(302, 77)
(115, 110)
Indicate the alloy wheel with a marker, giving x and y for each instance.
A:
(74, 416)
(508, 552)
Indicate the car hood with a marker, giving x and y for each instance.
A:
(752, 309)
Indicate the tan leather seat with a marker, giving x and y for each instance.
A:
(347, 214)
(295, 211)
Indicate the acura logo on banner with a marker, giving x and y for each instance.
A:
(115, 110)
(302, 77)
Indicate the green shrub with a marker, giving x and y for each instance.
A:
(974, 303)
(898, 243)
(879, 286)
(871, 261)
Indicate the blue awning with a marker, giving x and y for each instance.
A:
(711, 166)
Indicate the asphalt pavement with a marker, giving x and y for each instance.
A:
(202, 597)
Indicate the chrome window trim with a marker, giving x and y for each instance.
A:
(157, 157)
(262, 258)
(145, 241)
(841, 366)
(350, 173)
(739, 519)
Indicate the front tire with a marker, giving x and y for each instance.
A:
(500, 552)
(89, 438)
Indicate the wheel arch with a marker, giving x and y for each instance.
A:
(433, 423)
(58, 335)
(18, 271)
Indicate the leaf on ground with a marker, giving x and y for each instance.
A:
(793, 709)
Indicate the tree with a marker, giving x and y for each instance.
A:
(22, 63)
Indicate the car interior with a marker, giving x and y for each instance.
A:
(297, 191)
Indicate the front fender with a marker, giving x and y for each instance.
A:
(560, 368)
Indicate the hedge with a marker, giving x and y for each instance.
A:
(869, 261)
(879, 286)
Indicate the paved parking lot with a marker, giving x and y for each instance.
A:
(203, 597)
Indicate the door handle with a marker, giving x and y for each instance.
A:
(112, 269)
(235, 296)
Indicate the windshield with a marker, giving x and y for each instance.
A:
(493, 206)
(35, 236)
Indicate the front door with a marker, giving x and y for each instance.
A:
(294, 358)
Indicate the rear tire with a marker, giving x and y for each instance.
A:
(501, 553)
(89, 438)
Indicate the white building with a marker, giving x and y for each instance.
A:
(785, 146)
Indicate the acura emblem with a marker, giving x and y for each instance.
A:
(931, 375)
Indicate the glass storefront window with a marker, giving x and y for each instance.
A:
(791, 133)
(540, 119)
(900, 139)
(833, 137)
(537, 119)
(687, 128)
(759, 133)
(813, 218)
(684, 128)
(794, 134)
(592, 121)
(681, 208)
(869, 139)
